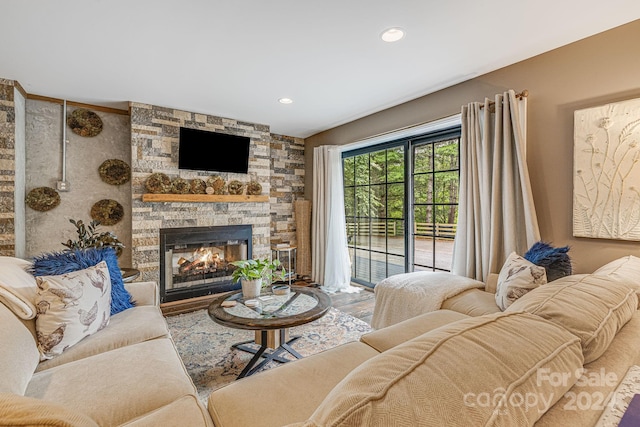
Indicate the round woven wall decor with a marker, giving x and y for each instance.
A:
(84, 122)
(198, 186)
(42, 199)
(180, 186)
(114, 172)
(254, 188)
(217, 183)
(107, 211)
(158, 183)
(235, 187)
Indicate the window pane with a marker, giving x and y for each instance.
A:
(348, 165)
(349, 202)
(395, 201)
(362, 169)
(444, 254)
(395, 165)
(446, 218)
(362, 201)
(378, 201)
(446, 187)
(422, 158)
(423, 188)
(362, 265)
(395, 265)
(362, 235)
(378, 167)
(423, 251)
(446, 155)
(423, 220)
(378, 267)
(395, 237)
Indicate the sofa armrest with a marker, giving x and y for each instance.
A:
(143, 293)
(491, 283)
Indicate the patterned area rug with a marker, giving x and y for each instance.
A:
(205, 346)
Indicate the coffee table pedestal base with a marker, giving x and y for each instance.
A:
(275, 340)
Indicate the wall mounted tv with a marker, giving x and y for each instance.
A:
(212, 151)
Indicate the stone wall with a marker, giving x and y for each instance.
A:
(7, 168)
(287, 186)
(154, 145)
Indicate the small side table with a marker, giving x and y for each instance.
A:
(289, 266)
(129, 274)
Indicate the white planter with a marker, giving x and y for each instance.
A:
(251, 288)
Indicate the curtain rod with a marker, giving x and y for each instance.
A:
(520, 95)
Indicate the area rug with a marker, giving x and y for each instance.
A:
(205, 346)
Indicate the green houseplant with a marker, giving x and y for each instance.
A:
(88, 237)
(256, 273)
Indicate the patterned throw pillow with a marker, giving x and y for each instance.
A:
(71, 307)
(517, 277)
(56, 263)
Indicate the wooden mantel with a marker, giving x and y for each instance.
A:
(204, 198)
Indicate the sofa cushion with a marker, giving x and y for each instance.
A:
(57, 263)
(186, 411)
(19, 354)
(71, 307)
(474, 302)
(136, 325)
(625, 269)
(589, 306)
(517, 277)
(25, 411)
(119, 385)
(289, 393)
(472, 372)
(17, 287)
(391, 336)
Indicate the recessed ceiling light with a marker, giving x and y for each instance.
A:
(285, 101)
(393, 34)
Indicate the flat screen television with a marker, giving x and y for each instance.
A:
(212, 151)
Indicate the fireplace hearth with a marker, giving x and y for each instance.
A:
(195, 261)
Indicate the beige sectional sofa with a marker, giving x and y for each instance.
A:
(126, 374)
(466, 364)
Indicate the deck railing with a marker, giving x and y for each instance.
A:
(393, 228)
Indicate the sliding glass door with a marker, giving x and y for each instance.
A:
(401, 206)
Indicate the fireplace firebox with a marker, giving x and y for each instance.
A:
(195, 261)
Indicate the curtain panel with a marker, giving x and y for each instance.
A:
(330, 265)
(496, 210)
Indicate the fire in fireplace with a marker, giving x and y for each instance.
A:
(195, 261)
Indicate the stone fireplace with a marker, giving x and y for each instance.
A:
(195, 261)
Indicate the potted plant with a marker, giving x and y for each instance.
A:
(88, 237)
(256, 273)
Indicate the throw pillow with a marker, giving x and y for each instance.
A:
(517, 277)
(17, 287)
(70, 307)
(625, 269)
(65, 262)
(555, 261)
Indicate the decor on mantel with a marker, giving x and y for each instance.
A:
(606, 198)
(254, 188)
(198, 186)
(107, 212)
(180, 186)
(158, 183)
(115, 172)
(205, 198)
(217, 184)
(235, 187)
(84, 122)
(42, 199)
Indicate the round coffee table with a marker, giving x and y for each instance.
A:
(271, 319)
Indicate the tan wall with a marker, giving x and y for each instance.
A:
(594, 71)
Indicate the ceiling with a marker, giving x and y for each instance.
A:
(236, 58)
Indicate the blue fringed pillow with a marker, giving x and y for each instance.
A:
(57, 263)
(555, 260)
